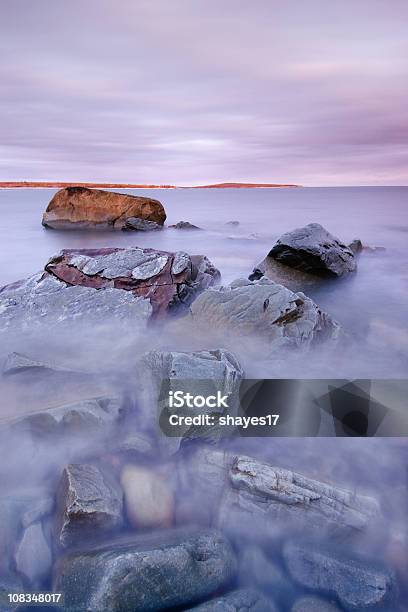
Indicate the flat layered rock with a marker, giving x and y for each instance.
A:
(167, 280)
(359, 584)
(279, 497)
(242, 600)
(83, 208)
(44, 301)
(157, 572)
(314, 250)
(88, 503)
(267, 310)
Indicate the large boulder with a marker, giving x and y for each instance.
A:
(359, 584)
(168, 280)
(242, 600)
(83, 208)
(89, 502)
(314, 250)
(154, 572)
(201, 373)
(252, 498)
(265, 310)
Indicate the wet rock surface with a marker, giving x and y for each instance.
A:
(141, 225)
(314, 250)
(242, 600)
(359, 584)
(89, 502)
(264, 309)
(155, 572)
(83, 208)
(185, 225)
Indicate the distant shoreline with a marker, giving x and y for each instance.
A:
(60, 185)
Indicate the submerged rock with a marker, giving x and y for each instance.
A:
(185, 225)
(33, 555)
(156, 572)
(257, 570)
(83, 208)
(140, 225)
(267, 310)
(310, 603)
(314, 250)
(242, 600)
(88, 503)
(356, 246)
(359, 584)
(149, 499)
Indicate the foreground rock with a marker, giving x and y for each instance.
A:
(83, 208)
(199, 373)
(267, 310)
(88, 503)
(242, 600)
(314, 250)
(149, 499)
(168, 280)
(249, 497)
(33, 555)
(358, 584)
(99, 286)
(156, 572)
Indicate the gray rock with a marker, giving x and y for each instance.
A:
(199, 373)
(155, 572)
(88, 503)
(9, 583)
(43, 301)
(258, 570)
(33, 555)
(186, 225)
(310, 603)
(359, 584)
(295, 280)
(356, 246)
(265, 310)
(233, 223)
(313, 249)
(141, 225)
(38, 509)
(84, 417)
(242, 600)
(266, 498)
(16, 363)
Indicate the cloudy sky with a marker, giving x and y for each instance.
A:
(199, 91)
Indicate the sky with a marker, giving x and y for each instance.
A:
(201, 91)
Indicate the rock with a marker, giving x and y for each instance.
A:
(17, 363)
(140, 225)
(33, 555)
(9, 583)
(295, 280)
(88, 503)
(310, 603)
(257, 570)
(83, 208)
(155, 572)
(168, 280)
(199, 373)
(137, 444)
(149, 499)
(359, 584)
(185, 225)
(39, 508)
(356, 246)
(314, 250)
(266, 310)
(233, 223)
(269, 498)
(84, 417)
(242, 600)
(43, 301)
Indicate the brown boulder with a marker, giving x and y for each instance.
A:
(83, 208)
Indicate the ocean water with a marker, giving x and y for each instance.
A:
(372, 305)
